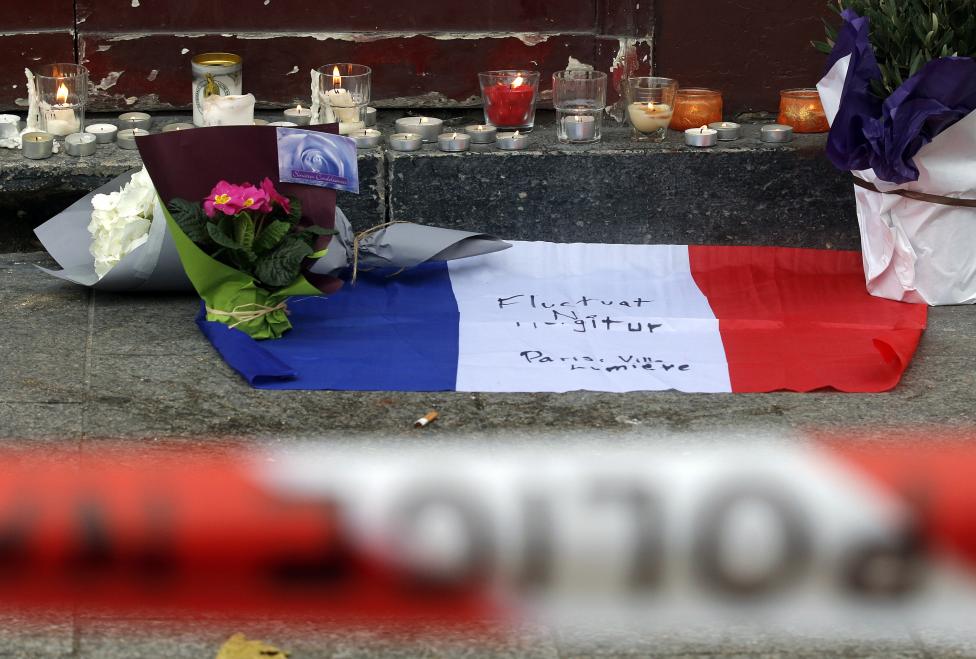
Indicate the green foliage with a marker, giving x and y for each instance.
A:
(191, 220)
(906, 34)
(280, 266)
(269, 247)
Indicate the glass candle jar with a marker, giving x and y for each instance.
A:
(344, 91)
(62, 94)
(579, 98)
(509, 98)
(695, 107)
(650, 104)
(802, 109)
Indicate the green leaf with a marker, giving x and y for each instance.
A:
(191, 219)
(244, 231)
(220, 236)
(319, 231)
(271, 235)
(281, 266)
(296, 210)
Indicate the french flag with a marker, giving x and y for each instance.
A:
(549, 317)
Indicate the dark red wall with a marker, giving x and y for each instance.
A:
(424, 52)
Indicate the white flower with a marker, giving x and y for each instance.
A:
(120, 221)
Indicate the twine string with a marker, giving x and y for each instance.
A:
(359, 237)
(918, 196)
(245, 313)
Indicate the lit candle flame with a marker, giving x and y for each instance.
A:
(298, 108)
(517, 82)
(336, 78)
(704, 128)
(454, 136)
(62, 94)
(516, 134)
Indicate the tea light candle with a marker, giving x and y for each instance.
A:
(512, 141)
(80, 144)
(180, 126)
(368, 138)
(370, 117)
(127, 138)
(454, 142)
(38, 146)
(579, 128)
(135, 120)
(9, 126)
(777, 133)
(284, 124)
(406, 141)
(481, 133)
(427, 127)
(104, 133)
(260, 122)
(727, 130)
(701, 137)
(298, 115)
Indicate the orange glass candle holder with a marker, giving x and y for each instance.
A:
(802, 110)
(695, 107)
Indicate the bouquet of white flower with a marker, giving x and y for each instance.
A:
(120, 221)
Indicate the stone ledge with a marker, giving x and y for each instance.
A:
(742, 192)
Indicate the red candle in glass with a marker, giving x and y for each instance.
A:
(509, 104)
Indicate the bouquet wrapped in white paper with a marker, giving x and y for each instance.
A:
(912, 157)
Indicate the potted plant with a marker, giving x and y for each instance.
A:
(900, 94)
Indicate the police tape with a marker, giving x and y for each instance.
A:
(827, 532)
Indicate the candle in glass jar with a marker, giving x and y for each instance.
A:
(510, 104)
(649, 117)
(60, 119)
(579, 128)
(802, 110)
(696, 107)
(340, 100)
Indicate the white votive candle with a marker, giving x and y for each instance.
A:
(104, 133)
(427, 127)
(298, 115)
(701, 137)
(80, 144)
(127, 137)
(406, 141)
(454, 142)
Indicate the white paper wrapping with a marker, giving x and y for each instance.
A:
(917, 251)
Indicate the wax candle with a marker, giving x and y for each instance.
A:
(579, 128)
(370, 117)
(178, 126)
(696, 107)
(727, 130)
(80, 144)
(481, 133)
(37, 146)
(406, 141)
(802, 110)
(454, 142)
(350, 127)
(649, 117)
(127, 137)
(512, 141)
(510, 105)
(60, 119)
(135, 120)
(228, 110)
(701, 137)
(104, 133)
(284, 124)
(427, 127)
(776, 133)
(298, 115)
(368, 138)
(9, 126)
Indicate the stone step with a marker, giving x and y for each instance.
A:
(742, 192)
